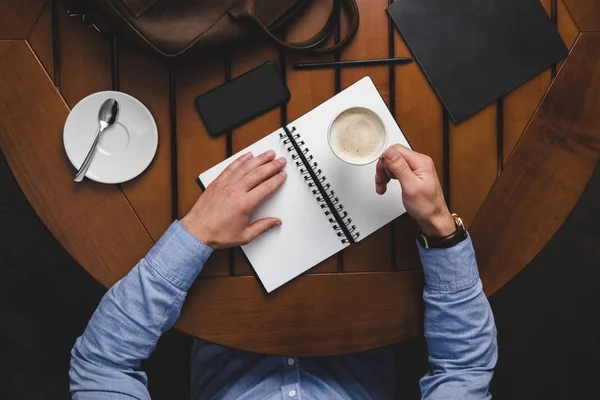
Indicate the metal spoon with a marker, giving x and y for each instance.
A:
(106, 117)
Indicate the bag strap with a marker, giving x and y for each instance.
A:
(315, 43)
(309, 44)
(138, 7)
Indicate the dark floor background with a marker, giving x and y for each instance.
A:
(548, 324)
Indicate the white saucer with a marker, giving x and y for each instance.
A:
(124, 150)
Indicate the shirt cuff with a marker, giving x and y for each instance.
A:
(178, 256)
(450, 269)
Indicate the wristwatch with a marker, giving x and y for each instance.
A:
(433, 242)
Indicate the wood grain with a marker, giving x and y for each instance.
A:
(566, 26)
(473, 162)
(40, 39)
(413, 95)
(146, 77)
(243, 60)
(93, 222)
(373, 253)
(85, 59)
(542, 180)
(17, 17)
(406, 252)
(547, 173)
(85, 68)
(196, 150)
(520, 104)
(314, 315)
(586, 13)
(424, 132)
(312, 87)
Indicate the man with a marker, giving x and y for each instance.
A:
(459, 325)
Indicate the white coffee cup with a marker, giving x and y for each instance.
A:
(357, 136)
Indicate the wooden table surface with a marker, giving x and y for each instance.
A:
(367, 296)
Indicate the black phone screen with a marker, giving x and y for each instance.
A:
(242, 99)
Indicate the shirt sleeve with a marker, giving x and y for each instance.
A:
(131, 317)
(459, 326)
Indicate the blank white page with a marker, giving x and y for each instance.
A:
(305, 238)
(354, 185)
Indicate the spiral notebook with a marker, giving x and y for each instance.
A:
(325, 204)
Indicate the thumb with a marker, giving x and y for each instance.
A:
(397, 165)
(259, 227)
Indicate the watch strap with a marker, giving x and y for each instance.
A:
(445, 242)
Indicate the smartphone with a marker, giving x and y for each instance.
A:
(242, 99)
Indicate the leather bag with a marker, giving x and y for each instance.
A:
(173, 27)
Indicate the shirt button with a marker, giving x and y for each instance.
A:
(292, 393)
(291, 361)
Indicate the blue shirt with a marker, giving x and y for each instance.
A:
(105, 361)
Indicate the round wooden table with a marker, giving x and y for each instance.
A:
(513, 171)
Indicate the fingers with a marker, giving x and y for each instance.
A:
(381, 178)
(266, 189)
(259, 227)
(415, 160)
(234, 166)
(399, 167)
(252, 163)
(260, 174)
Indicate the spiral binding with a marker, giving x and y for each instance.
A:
(321, 189)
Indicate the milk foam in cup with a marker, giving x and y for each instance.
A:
(357, 136)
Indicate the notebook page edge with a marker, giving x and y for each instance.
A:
(316, 139)
(269, 275)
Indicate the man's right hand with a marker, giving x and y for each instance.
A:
(220, 217)
(421, 190)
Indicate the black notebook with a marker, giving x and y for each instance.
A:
(474, 51)
(325, 204)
